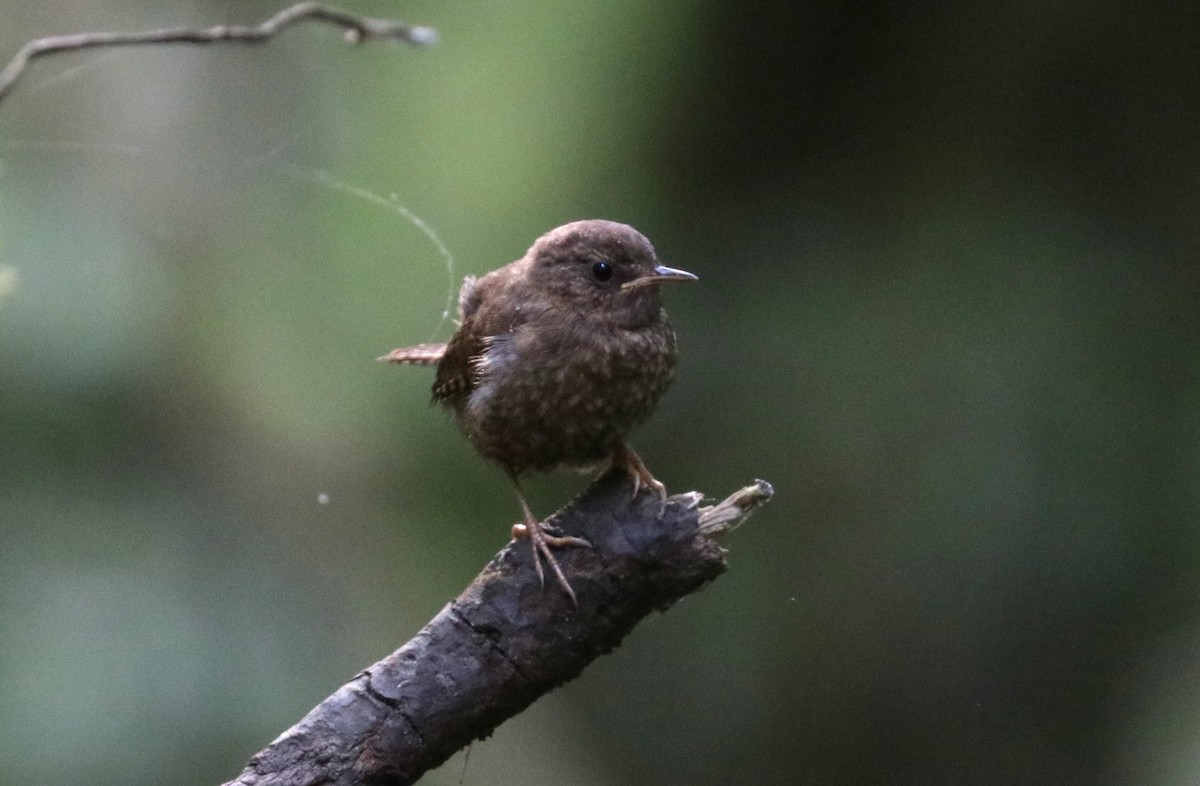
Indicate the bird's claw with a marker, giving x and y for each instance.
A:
(630, 463)
(542, 541)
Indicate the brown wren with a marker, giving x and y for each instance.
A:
(557, 357)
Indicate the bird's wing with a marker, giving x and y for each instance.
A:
(454, 374)
(487, 324)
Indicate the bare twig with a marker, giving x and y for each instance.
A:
(728, 514)
(358, 28)
(505, 640)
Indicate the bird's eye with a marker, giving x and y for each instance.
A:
(602, 271)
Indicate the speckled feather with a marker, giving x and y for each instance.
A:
(551, 366)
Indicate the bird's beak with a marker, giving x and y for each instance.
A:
(662, 275)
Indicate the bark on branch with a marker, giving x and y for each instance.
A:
(505, 640)
(358, 28)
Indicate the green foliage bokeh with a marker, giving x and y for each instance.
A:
(948, 307)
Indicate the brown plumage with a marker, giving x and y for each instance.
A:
(557, 357)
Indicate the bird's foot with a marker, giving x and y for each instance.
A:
(542, 539)
(629, 462)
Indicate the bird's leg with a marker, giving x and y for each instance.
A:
(541, 541)
(626, 460)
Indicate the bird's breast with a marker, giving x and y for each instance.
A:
(547, 398)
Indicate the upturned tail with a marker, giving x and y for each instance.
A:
(416, 355)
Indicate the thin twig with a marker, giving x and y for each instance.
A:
(358, 28)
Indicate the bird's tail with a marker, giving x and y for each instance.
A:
(416, 355)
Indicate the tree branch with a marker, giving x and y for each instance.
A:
(358, 28)
(505, 640)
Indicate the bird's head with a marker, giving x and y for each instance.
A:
(602, 269)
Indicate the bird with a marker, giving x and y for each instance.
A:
(556, 358)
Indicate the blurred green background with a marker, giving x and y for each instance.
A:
(948, 306)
